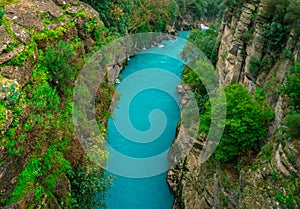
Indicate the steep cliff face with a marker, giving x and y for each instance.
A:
(265, 180)
(241, 41)
(43, 47)
(28, 27)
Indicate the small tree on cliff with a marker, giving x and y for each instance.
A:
(247, 121)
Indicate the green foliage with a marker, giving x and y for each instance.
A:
(246, 123)
(7, 2)
(2, 113)
(49, 128)
(207, 10)
(248, 35)
(284, 16)
(27, 55)
(88, 187)
(51, 35)
(1, 14)
(275, 9)
(152, 15)
(292, 17)
(255, 65)
(200, 93)
(58, 62)
(114, 14)
(206, 41)
(102, 35)
(12, 94)
(274, 35)
(233, 3)
(287, 201)
(55, 163)
(103, 100)
(292, 86)
(292, 121)
(287, 53)
(26, 180)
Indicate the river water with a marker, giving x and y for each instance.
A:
(143, 185)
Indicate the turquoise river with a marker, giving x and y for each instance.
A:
(151, 67)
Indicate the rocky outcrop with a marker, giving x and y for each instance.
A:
(25, 14)
(187, 22)
(240, 41)
(5, 38)
(268, 180)
(9, 55)
(29, 26)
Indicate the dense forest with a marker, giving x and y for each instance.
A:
(42, 164)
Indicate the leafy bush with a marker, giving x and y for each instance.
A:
(292, 17)
(292, 86)
(26, 180)
(88, 187)
(292, 122)
(2, 113)
(200, 94)
(58, 62)
(274, 35)
(255, 65)
(1, 14)
(207, 42)
(114, 14)
(204, 9)
(246, 123)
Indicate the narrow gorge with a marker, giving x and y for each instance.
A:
(52, 155)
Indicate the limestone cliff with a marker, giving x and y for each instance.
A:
(269, 179)
(38, 146)
(29, 26)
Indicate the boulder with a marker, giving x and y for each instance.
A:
(20, 34)
(49, 6)
(9, 55)
(24, 14)
(66, 2)
(5, 38)
(21, 74)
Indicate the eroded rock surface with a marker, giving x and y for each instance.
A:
(25, 14)
(5, 39)
(274, 172)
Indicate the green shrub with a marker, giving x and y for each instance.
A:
(26, 180)
(2, 114)
(274, 35)
(246, 123)
(292, 122)
(208, 10)
(200, 93)
(206, 41)
(292, 17)
(114, 14)
(1, 14)
(58, 61)
(255, 65)
(292, 86)
(88, 187)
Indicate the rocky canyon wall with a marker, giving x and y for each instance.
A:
(265, 181)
